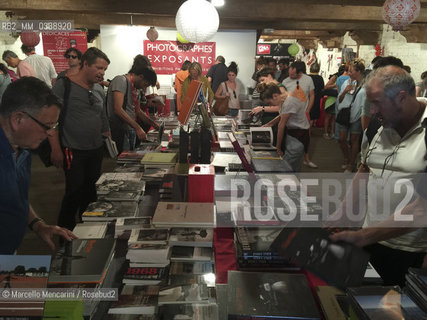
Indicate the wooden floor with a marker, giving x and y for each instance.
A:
(47, 185)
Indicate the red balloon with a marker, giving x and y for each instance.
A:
(30, 38)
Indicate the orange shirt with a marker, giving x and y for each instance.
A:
(180, 76)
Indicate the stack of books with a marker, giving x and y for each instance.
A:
(136, 300)
(159, 160)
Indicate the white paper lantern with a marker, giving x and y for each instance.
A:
(400, 13)
(197, 20)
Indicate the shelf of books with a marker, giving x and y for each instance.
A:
(166, 257)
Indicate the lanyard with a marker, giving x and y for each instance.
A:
(135, 99)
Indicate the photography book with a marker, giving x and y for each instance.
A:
(193, 237)
(107, 186)
(184, 214)
(23, 271)
(265, 295)
(149, 236)
(149, 275)
(136, 300)
(261, 138)
(188, 311)
(148, 253)
(159, 160)
(339, 263)
(82, 261)
(91, 230)
(131, 176)
(107, 211)
(120, 196)
(180, 253)
(388, 302)
(194, 293)
(133, 223)
(111, 147)
(190, 100)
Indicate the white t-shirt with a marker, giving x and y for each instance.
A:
(298, 118)
(391, 158)
(43, 67)
(306, 84)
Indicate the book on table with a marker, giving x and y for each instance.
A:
(107, 211)
(261, 138)
(193, 237)
(123, 224)
(107, 186)
(136, 300)
(149, 236)
(194, 293)
(159, 160)
(82, 261)
(23, 271)
(184, 214)
(259, 295)
(132, 176)
(91, 230)
(148, 253)
(179, 253)
(188, 311)
(146, 274)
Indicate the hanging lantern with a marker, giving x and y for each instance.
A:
(293, 49)
(197, 20)
(400, 13)
(152, 34)
(181, 38)
(30, 38)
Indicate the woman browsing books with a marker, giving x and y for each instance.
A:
(291, 115)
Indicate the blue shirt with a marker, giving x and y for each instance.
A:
(14, 204)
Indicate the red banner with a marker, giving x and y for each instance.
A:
(56, 43)
(263, 49)
(167, 57)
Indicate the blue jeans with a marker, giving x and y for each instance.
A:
(233, 112)
(129, 140)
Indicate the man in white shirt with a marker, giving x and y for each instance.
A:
(43, 66)
(394, 156)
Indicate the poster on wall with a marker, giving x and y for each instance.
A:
(167, 57)
(275, 50)
(56, 43)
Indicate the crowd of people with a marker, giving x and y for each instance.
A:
(386, 120)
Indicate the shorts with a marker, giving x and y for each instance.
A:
(355, 127)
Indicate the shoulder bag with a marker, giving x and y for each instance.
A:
(220, 108)
(343, 116)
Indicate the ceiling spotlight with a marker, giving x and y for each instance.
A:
(218, 3)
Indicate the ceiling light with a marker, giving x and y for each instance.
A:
(218, 3)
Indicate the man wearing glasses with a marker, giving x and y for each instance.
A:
(43, 66)
(77, 146)
(395, 154)
(28, 114)
(73, 57)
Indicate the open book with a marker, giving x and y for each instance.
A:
(262, 138)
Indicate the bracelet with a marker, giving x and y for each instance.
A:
(33, 222)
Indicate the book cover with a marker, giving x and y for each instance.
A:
(91, 230)
(133, 176)
(190, 100)
(270, 295)
(177, 214)
(159, 158)
(120, 196)
(197, 267)
(179, 253)
(148, 253)
(153, 236)
(188, 311)
(133, 223)
(339, 263)
(106, 211)
(384, 303)
(111, 147)
(108, 186)
(194, 293)
(331, 308)
(82, 261)
(23, 271)
(193, 237)
(136, 300)
(146, 275)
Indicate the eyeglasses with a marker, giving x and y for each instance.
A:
(234, 93)
(297, 84)
(92, 98)
(68, 56)
(41, 124)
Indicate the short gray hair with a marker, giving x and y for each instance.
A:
(393, 80)
(9, 54)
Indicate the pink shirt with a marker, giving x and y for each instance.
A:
(24, 69)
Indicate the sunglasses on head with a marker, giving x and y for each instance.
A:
(68, 56)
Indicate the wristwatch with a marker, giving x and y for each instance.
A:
(33, 222)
